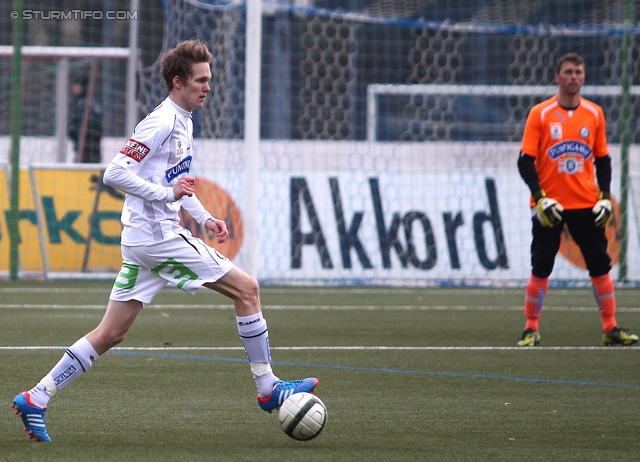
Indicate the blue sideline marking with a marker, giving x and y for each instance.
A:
(388, 371)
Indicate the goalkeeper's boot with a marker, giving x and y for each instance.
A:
(32, 416)
(283, 389)
(529, 338)
(619, 336)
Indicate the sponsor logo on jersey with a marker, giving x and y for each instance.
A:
(571, 164)
(569, 147)
(556, 131)
(177, 170)
(135, 149)
(584, 132)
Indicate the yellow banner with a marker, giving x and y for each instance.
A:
(80, 222)
(76, 218)
(29, 253)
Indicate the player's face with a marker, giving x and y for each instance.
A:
(190, 95)
(570, 78)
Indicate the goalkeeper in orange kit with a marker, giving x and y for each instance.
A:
(564, 151)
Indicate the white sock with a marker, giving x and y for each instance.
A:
(43, 392)
(255, 337)
(264, 378)
(76, 360)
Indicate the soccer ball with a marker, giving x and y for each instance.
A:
(303, 416)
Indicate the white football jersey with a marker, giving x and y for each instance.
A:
(159, 151)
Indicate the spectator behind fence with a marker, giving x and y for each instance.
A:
(86, 135)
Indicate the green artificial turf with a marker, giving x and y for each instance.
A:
(179, 388)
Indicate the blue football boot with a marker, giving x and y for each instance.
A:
(32, 416)
(283, 389)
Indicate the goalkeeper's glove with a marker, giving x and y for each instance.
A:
(603, 210)
(547, 210)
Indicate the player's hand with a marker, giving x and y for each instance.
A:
(603, 210)
(184, 186)
(217, 227)
(548, 211)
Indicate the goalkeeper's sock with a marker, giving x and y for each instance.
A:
(76, 361)
(534, 300)
(605, 296)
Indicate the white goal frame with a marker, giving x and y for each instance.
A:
(63, 54)
(374, 90)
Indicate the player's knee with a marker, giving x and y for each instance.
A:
(251, 292)
(597, 272)
(109, 338)
(598, 267)
(542, 272)
(117, 338)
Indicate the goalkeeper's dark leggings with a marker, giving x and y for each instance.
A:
(591, 240)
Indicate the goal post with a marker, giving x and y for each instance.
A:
(252, 134)
(375, 91)
(62, 55)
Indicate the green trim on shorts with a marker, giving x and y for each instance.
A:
(178, 271)
(130, 276)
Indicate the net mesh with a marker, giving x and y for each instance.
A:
(432, 195)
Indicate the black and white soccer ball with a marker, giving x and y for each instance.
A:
(303, 416)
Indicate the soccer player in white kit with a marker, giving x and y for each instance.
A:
(153, 169)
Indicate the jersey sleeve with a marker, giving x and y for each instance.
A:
(532, 133)
(195, 208)
(600, 146)
(147, 138)
(125, 180)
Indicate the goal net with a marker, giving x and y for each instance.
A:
(389, 133)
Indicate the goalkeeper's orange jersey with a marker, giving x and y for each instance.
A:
(564, 144)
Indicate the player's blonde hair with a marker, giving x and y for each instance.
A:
(179, 61)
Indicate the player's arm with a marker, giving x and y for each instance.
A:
(548, 210)
(129, 182)
(603, 173)
(72, 128)
(603, 210)
(147, 139)
(217, 227)
(195, 208)
(602, 160)
(527, 169)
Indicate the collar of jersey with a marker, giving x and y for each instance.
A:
(178, 108)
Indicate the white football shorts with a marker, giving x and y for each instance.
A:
(183, 260)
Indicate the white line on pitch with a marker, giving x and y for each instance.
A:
(57, 290)
(343, 348)
(319, 290)
(318, 307)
